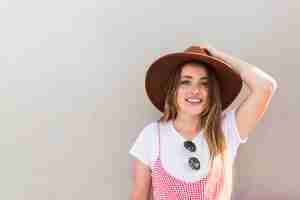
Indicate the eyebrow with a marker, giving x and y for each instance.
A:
(190, 77)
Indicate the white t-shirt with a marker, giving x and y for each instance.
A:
(174, 157)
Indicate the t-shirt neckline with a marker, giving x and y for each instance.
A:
(182, 138)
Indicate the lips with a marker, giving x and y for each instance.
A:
(194, 102)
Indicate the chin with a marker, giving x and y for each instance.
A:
(196, 113)
(193, 112)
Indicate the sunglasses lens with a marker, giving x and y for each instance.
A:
(189, 145)
(194, 163)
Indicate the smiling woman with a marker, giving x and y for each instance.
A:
(191, 89)
(189, 152)
(187, 81)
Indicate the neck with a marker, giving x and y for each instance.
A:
(187, 126)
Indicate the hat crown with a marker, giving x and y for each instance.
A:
(197, 50)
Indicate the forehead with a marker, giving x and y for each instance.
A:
(194, 70)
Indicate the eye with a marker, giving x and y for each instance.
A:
(184, 82)
(205, 84)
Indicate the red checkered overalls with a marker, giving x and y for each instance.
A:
(167, 187)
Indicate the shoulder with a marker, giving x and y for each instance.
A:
(150, 128)
(144, 145)
(229, 126)
(150, 125)
(147, 134)
(228, 118)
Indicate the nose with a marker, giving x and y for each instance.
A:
(195, 89)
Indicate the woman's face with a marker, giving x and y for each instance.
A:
(192, 91)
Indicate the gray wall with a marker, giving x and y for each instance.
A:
(73, 99)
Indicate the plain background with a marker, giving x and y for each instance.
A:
(73, 99)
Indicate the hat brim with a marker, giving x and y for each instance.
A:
(157, 75)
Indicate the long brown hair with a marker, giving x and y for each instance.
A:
(211, 120)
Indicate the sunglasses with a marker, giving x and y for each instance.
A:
(194, 162)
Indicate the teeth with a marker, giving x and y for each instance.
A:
(194, 100)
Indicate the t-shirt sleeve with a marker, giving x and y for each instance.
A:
(143, 147)
(231, 132)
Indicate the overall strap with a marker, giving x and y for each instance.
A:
(158, 138)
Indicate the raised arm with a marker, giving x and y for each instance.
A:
(262, 87)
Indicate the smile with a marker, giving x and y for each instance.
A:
(194, 101)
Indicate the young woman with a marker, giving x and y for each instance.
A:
(188, 154)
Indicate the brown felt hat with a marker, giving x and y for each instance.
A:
(161, 69)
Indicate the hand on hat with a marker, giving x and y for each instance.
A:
(211, 50)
